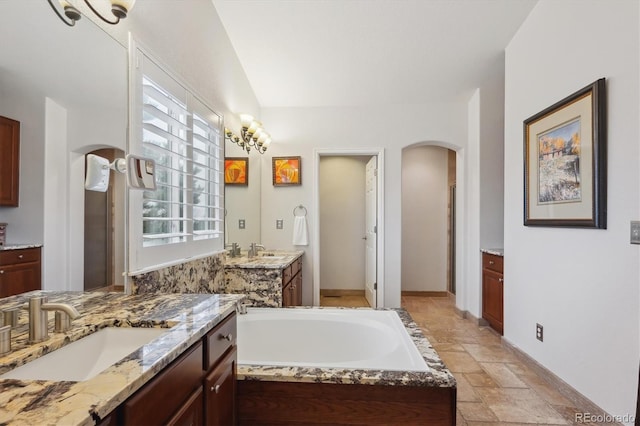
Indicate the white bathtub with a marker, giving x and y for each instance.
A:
(327, 338)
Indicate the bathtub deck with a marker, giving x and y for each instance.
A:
(303, 395)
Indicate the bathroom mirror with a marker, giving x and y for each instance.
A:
(68, 88)
(242, 203)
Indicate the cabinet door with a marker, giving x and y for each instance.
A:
(16, 279)
(9, 161)
(492, 299)
(220, 392)
(297, 289)
(191, 412)
(287, 295)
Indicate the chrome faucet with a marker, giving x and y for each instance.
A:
(253, 249)
(38, 318)
(235, 249)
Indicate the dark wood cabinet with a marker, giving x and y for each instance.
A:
(9, 161)
(20, 271)
(292, 284)
(220, 388)
(493, 291)
(198, 388)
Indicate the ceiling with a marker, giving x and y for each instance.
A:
(307, 53)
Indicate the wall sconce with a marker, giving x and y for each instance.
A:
(251, 135)
(119, 8)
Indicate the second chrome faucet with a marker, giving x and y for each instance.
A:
(39, 318)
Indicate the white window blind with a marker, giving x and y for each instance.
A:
(183, 217)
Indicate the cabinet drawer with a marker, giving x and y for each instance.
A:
(163, 396)
(492, 262)
(219, 340)
(12, 257)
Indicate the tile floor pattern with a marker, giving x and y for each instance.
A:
(495, 387)
(350, 301)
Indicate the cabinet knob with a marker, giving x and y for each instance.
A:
(20, 256)
(1, 271)
(491, 262)
(228, 337)
(501, 280)
(215, 388)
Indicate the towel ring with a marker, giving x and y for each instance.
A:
(300, 207)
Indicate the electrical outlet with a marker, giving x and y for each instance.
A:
(279, 223)
(241, 223)
(635, 232)
(539, 332)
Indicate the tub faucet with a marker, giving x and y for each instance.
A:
(38, 318)
(253, 249)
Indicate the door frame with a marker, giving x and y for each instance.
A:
(338, 152)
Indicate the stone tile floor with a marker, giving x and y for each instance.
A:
(495, 387)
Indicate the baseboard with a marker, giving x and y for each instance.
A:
(426, 293)
(560, 385)
(481, 322)
(338, 293)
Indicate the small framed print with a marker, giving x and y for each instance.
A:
(236, 171)
(286, 171)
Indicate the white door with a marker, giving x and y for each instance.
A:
(371, 238)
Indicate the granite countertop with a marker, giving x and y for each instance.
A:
(268, 259)
(190, 316)
(494, 251)
(437, 376)
(19, 246)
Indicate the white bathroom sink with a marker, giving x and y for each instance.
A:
(267, 256)
(86, 358)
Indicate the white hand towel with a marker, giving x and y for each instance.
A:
(300, 232)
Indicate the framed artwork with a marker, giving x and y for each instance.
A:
(565, 162)
(286, 171)
(236, 171)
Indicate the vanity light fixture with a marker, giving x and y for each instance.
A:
(251, 135)
(119, 8)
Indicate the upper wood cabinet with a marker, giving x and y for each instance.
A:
(9, 161)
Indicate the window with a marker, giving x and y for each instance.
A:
(183, 217)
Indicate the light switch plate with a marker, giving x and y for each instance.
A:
(241, 223)
(279, 223)
(635, 232)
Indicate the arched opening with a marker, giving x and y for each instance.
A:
(430, 219)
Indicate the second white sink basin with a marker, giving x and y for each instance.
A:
(86, 358)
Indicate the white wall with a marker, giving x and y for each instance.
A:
(424, 218)
(342, 222)
(298, 131)
(580, 284)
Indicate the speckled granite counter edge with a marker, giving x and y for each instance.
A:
(494, 251)
(437, 376)
(262, 261)
(84, 403)
(8, 247)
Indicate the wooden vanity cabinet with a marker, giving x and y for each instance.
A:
(20, 271)
(9, 161)
(198, 388)
(292, 284)
(220, 388)
(168, 393)
(493, 291)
